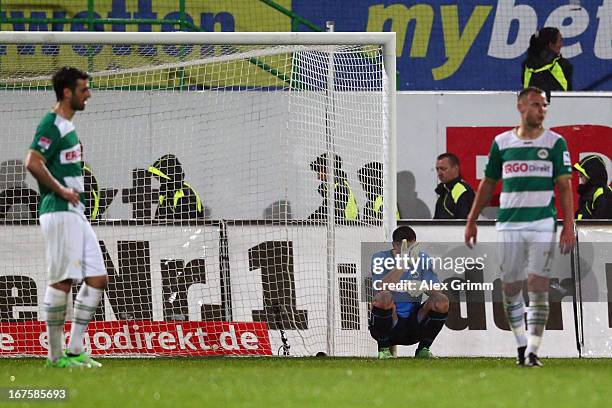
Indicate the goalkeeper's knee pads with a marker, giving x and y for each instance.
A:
(381, 322)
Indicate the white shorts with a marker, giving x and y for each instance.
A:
(72, 250)
(525, 252)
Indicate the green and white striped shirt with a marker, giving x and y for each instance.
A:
(56, 140)
(528, 169)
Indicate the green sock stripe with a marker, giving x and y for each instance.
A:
(513, 306)
(515, 319)
(83, 322)
(55, 308)
(58, 322)
(81, 306)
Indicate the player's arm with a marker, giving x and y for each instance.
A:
(36, 164)
(493, 173)
(562, 174)
(483, 197)
(393, 276)
(567, 240)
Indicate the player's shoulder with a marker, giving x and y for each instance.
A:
(551, 138)
(53, 124)
(382, 254)
(47, 125)
(504, 139)
(48, 120)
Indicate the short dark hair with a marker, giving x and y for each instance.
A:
(452, 158)
(320, 163)
(530, 89)
(404, 233)
(66, 77)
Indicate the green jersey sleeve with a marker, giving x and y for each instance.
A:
(562, 164)
(46, 139)
(494, 165)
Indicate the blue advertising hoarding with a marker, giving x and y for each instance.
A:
(477, 44)
(441, 45)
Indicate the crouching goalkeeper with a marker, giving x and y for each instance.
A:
(397, 315)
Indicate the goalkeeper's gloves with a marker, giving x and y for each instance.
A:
(411, 251)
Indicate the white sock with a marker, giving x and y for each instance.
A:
(537, 316)
(85, 306)
(514, 306)
(55, 317)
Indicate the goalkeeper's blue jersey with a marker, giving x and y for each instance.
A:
(405, 304)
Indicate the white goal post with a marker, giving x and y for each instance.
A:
(231, 179)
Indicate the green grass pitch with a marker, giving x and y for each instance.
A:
(318, 382)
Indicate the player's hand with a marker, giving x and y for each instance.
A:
(70, 195)
(567, 240)
(404, 250)
(470, 234)
(410, 250)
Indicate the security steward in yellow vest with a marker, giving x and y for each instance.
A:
(594, 193)
(345, 204)
(371, 179)
(455, 196)
(544, 66)
(177, 199)
(92, 194)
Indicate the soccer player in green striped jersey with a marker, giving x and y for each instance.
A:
(530, 161)
(71, 246)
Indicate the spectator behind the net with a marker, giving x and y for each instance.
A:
(371, 179)
(177, 199)
(344, 200)
(455, 195)
(544, 66)
(594, 193)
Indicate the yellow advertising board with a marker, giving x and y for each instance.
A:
(27, 61)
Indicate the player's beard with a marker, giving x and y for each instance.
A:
(535, 122)
(75, 105)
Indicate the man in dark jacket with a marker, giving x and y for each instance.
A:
(455, 196)
(594, 193)
(371, 179)
(345, 203)
(177, 199)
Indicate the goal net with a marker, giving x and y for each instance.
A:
(230, 178)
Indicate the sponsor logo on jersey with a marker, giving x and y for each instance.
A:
(527, 168)
(566, 158)
(72, 155)
(543, 153)
(44, 142)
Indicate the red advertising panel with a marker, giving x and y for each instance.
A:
(146, 337)
(471, 145)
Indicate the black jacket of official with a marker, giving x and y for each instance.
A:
(345, 204)
(177, 199)
(595, 195)
(455, 199)
(547, 71)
